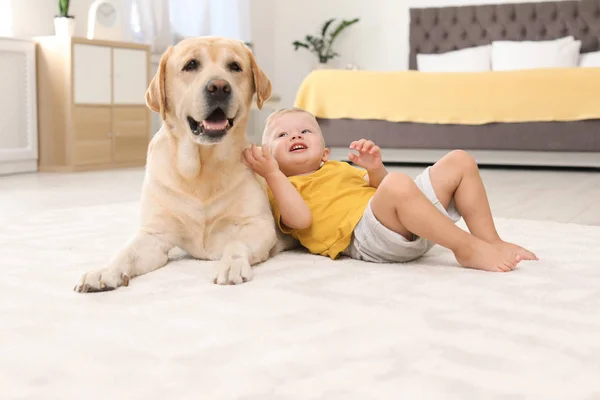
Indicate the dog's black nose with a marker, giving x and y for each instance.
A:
(218, 89)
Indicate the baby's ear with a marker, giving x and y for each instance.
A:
(326, 155)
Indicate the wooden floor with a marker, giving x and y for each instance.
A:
(554, 195)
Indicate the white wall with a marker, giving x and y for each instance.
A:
(378, 42)
(366, 44)
(36, 17)
(262, 16)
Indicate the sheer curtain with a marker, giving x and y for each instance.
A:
(230, 18)
(5, 18)
(150, 24)
(161, 23)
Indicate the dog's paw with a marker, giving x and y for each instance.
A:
(233, 271)
(101, 280)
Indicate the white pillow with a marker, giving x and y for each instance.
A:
(472, 59)
(513, 55)
(590, 60)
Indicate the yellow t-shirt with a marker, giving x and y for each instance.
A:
(337, 195)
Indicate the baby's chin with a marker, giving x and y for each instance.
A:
(300, 167)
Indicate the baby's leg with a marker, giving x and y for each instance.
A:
(457, 176)
(402, 207)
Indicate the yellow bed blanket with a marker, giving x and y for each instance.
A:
(569, 94)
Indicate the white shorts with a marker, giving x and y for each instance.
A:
(373, 242)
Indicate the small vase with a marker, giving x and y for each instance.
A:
(64, 26)
(321, 65)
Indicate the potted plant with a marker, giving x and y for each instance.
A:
(64, 24)
(322, 45)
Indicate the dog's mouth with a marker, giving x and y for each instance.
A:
(298, 147)
(215, 125)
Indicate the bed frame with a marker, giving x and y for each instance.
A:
(438, 30)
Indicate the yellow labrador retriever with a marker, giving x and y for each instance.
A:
(197, 194)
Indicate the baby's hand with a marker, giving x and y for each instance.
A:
(369, 156)
(261, 161)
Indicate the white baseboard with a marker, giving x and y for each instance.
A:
(487, 157)
(16, 167)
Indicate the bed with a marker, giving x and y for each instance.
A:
(545, 139)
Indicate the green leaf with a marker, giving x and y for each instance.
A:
(343, 25)
(298, 44)
(325, 26)
(63, 8)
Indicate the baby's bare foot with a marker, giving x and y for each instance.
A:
(514, 250)
(484, 256)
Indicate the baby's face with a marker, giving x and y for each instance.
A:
(297, 143)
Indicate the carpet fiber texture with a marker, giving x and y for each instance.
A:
(304, 328)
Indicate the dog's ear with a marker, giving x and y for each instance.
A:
(262, 83)
(156, 96)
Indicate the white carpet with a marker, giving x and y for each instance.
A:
(304, 328)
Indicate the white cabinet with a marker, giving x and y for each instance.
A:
(107, 75)
(18, 102)
(130, 68)
(91, 74)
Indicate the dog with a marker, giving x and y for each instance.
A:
(198, 194)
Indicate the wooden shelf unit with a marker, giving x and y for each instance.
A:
(92, 112)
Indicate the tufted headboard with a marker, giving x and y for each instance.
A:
(438, 30)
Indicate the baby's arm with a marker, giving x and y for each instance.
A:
(294, 211)
(369, 158)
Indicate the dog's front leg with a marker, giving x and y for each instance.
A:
(249, 245)
(144, 253)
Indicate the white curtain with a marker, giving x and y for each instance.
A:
(5, 18)
(150, 23)
(189, 18)
(230, 18)
(161, 23)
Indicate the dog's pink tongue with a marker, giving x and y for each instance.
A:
(215, 125)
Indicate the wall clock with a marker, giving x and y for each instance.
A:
(105, 20)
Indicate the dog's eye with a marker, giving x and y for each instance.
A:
(191, 65)
(235, 67)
